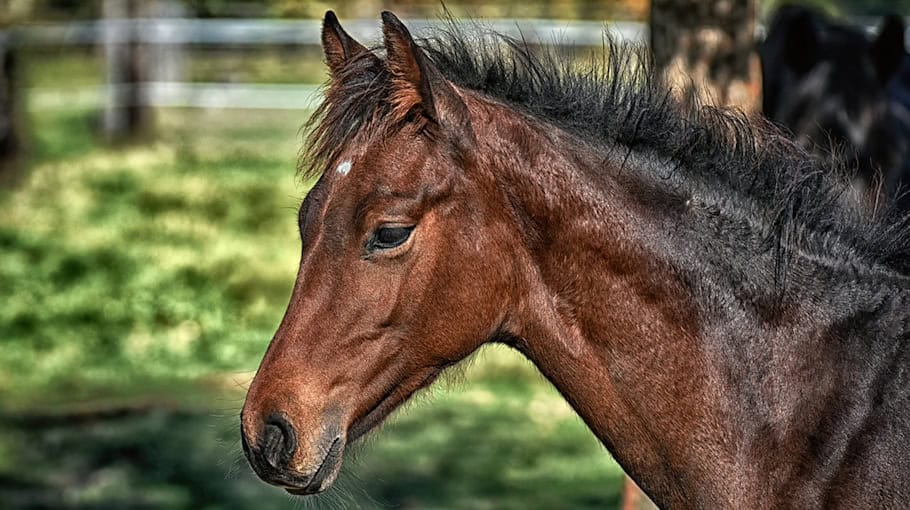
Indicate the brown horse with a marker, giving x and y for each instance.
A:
(688, 279)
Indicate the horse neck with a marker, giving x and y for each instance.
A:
(607, 315)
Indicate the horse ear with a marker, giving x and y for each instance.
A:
(338, 45)
(888, 50)
(416, 83)
(801, 43)
(408, 67)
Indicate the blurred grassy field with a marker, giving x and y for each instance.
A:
(140, 286)
(85, 67)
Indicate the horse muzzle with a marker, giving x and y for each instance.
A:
(279, 457)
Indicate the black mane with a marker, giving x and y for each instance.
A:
(619, 99)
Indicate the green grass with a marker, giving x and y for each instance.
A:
(170, 259)
(254, 64)
(140, 286)
(44, 67)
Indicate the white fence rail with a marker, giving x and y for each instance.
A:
(177, 32)
(253, 96)
(173, 33)
(302, 32)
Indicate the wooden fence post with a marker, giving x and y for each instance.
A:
(166, 62)
(125, 114)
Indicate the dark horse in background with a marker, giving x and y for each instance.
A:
(839, 91)
(687, 277)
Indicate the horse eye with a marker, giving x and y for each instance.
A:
(388, 237)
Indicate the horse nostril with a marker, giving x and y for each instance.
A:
(278, 441)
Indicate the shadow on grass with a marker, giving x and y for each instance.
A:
(128, 458)
(465, 450)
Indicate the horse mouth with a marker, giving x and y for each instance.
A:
(328, 469)
(325, 473)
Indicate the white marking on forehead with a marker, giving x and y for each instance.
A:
(344, 167)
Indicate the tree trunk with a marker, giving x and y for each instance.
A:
(706, 48)
(10, 117)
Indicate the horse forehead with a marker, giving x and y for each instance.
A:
(402, 163)
(370, 172)
(354, 177)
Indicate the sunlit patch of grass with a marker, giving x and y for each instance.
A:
(45, 67)
(104, 246)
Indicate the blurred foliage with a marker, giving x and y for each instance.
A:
(845, 7)
(83, 67)
(559, 9)
(141, 285)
